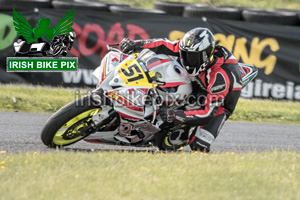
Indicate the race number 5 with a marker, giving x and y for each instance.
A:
(129, 72)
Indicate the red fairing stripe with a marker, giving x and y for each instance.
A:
(169, 45)
(158, 62)
(174, 84)
(102, 70)
(124, 56)
(136, 108)
(127, 116)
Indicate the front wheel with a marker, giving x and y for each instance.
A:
(63, 128)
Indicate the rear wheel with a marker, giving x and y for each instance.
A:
(172, 140)
(65, 126)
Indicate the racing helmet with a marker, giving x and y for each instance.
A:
(196, 50)
(72, 36)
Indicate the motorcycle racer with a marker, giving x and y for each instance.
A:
(65, 42)
(215, 74)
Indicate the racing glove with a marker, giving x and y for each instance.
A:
(127, 45)
(172, 116)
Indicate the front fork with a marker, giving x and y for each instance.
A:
(103, 117)
(98, 120)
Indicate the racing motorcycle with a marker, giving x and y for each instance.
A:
(124, 107)
(61, 44)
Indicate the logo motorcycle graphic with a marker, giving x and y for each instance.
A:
(36, 48)
(45, 40)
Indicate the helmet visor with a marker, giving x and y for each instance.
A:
(193, 59)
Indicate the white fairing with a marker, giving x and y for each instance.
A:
(177, 84)
(172, 73)
(129, 101)
(175, 76)
(108, 63)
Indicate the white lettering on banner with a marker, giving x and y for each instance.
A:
(85, 75)
(258, 88)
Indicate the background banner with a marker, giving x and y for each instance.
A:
(273, 49)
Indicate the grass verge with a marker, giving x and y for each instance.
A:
(116, 175)
(40, 99)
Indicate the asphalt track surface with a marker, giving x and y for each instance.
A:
(20, 132)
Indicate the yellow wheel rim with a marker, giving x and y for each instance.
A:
(64, 135)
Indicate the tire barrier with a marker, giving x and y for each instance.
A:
(8, 5)
(82, 5)
(142, 12)
(112, 3)
(108, 3)
(287, 10)
(271, 17)
(171, 8)
(242, 8)
(212, 12)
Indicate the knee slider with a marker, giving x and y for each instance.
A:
(200, 140)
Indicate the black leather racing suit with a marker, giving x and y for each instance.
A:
(221, 84)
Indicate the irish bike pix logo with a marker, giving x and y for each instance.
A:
(43, 48)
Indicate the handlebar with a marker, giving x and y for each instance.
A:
(113, 47)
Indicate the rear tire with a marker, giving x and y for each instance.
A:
(179, 137)
(209, 12)
(171, 8)
(64, 116)
(25, 4)
(271, 17)
(80, 5)
(141, 12)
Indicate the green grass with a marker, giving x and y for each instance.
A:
(115, 175)
(267, 111)
(264, 4)
(34, 98)
(38, 99)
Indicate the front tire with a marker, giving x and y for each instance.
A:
(62, 128)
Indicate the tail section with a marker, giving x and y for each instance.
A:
(249, 72)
